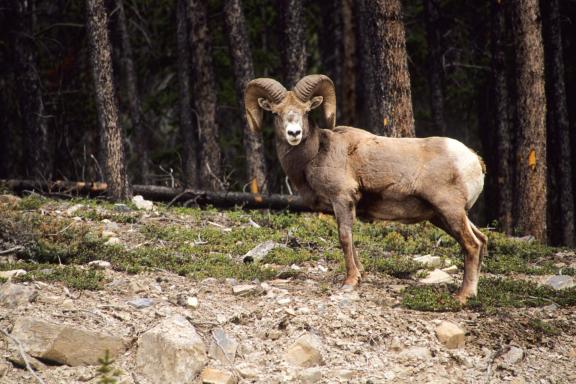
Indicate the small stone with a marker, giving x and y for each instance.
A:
(305, 352)
(260, 251)
(231, 281)
(245, 289)
(284, 300)
(396, 345)
(429, 261)
(13, 273)
(118, 207)
(345, 374)
(560, 282)
(141, 303)
(247, 371)
(108, 234)
(416, 353)
(3, 369)
(451, 335)
(437, 276)
(171, 352)
(450, 270)
(192, 302)
(140, 203)
(215, 376)
(397, 288)
(14, 295)
(310, 375)
(223, 347)
(513, 356)
(100, 264)
(113, 241)
(73, 209)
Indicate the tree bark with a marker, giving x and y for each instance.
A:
(502, 121)
(435, 77)
(558, 127)
(530, 162)
(392, 85)
(204, 88)
(348, 93)
(101, 62)
(188, 130)
(244, 72)
(29, 91)
(141, 136)
(294, 45)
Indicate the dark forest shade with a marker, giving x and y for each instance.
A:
(140, 136)
(29, 90)
(204, 90)
(501, 119)
(433, 24)
(243, 73)
(349, 65)
(294, 42)
(101, 62)
(390, 67)
(530, 161)
(561, 193)
(187, 126)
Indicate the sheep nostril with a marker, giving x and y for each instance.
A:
(294, 133)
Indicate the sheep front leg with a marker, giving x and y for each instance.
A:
(345, 212)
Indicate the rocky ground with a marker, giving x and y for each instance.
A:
(280, 318)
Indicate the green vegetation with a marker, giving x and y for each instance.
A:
(107, 374)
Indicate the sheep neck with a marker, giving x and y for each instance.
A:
(294, 159)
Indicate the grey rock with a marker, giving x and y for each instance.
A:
(513, 356)
(305, 352)
(100, 264)
(559, 282)
(437, 276)
(260, 251)
(450, 334)
(247, 371)
(9, 275)
(223, 347)
(429, 261)
(14, 295)
(416, 353)
(65, 344)
(216, 376)
(141, 302)
(140, 203)
(246, 289)
(118, 207)
(171, 352)
(310, 375)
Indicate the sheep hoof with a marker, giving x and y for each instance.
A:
(462, 298)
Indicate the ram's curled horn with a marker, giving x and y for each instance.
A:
(266, 88)
(319, 85)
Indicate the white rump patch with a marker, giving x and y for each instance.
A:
(469, 168)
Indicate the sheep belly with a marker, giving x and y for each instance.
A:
(407, 210)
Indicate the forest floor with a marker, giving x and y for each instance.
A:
(189, 261)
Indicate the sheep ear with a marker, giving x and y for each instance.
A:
(315, 103)
(264, 104)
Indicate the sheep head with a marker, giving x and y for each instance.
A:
(290, 108)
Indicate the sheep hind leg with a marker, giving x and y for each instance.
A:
(458, 226)
(484, 240)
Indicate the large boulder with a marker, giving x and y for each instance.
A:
(171, 352)
(14, 295)
(65, 344)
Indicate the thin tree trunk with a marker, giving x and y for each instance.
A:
(187, 127)
(367, 106)
(204, 88)
(559, 125)
(294, 46)
(530, 159)
(106, 107)
(502, 120)
(141, 136)
(392, 85)
(244, 72)
(29, 90)
(348, 94)
(435, 78)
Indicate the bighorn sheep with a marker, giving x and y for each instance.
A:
(354, 172)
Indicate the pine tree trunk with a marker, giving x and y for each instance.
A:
(204, 88)
(29, 91)
(348, 94)
(559, 126)
(435, 78)
(367, 105)
(101, 62)
(187, 127)
(502, 121)
(294, 45)
(530, 162)
(141, 136)
(392, 85)
(244, 72)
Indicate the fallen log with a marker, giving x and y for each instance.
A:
(163, 194)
